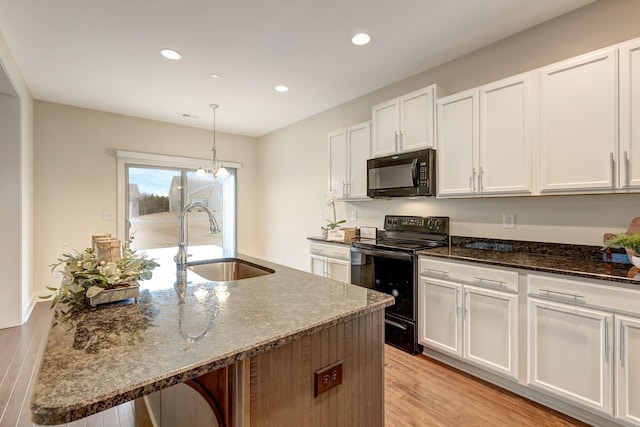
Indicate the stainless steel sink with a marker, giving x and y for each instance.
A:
(228, 269)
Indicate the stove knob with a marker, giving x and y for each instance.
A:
(430, 224)
(395, 293)
(438, 223)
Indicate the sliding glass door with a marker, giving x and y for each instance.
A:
(155, 196)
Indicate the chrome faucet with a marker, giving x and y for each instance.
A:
(181, 257)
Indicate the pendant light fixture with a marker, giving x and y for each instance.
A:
(217, 168)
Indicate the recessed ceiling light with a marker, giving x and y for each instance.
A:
(215, 76)
(361, 39)
(171, 54)
(281, 88)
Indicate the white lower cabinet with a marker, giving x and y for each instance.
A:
(628, 369)
(570, 353)
(331, 260)
(460, 314)
(584, 344)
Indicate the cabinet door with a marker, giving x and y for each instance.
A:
(457, 144)
(630, 115)
(491, 330)
(385, 128)
(578, 123)
(338, 163)
(416, 120)
(628, 378)
(359, 138)
(318, 266)
(439, 314)
(505, 136)
(339, 270)
(570, 353)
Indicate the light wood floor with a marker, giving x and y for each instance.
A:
(419, 391)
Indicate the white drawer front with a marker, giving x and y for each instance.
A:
(335, 251)
(583, 293)
(494, 278)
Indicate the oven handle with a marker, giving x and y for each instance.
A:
(396, 324)
(383, 253)
(415, 173)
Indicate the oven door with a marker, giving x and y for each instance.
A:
(389, 272)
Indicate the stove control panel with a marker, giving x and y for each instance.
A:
(418, 224)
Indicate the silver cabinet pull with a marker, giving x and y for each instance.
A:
(621, 339)
(395, 141)
(499, 283)
(613, 169)
(566, 294)
(457, 303)
(473, 180)
(480, 179)
(401, 140)
(626, 169)
(440, 272)
(606, 340)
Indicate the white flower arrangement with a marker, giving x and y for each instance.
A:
(331, 201)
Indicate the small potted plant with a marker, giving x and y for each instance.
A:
(84, 278)
(631, 242)
(331, 225)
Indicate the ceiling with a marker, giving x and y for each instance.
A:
(104, 55)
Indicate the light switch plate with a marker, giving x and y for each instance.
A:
(108, 215)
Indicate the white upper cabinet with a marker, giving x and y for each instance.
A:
(349, 150)
(406, 123)
(484, 140)
(504, 161)
(579, 124)
(457, 144)
(630, 115)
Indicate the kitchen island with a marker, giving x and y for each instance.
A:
(250, 347)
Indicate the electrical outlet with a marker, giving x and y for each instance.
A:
(354, 215)
(108, 215)
(508, 220)
(328, 378)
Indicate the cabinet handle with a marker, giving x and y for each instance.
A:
(500, 283)
(568, 294)
(473, 180)
(442, 273)
(401, 140)
(626, 169)
(606, 340)
(480, 179)
(621, 345)
(613, 169)
(457, 303)
(395, 141)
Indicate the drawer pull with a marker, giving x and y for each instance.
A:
(500, 283)
(566, 294)
(440, 272)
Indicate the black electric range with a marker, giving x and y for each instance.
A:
(389, 264)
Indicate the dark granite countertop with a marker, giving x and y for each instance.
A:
(122, 351)
(570, 260)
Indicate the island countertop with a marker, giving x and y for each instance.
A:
(118, 352)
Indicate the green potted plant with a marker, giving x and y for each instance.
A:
(84, 277)
(631, 242)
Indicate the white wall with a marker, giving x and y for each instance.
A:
(16, 186)
(294, 160)
(75, 174)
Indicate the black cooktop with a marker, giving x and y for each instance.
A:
(409, 234)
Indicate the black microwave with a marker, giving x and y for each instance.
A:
(402, 175)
